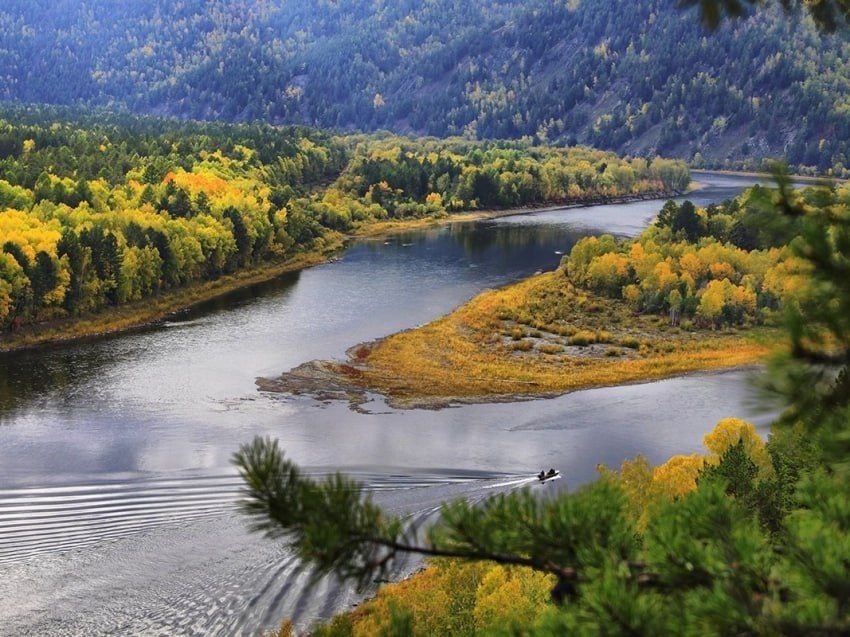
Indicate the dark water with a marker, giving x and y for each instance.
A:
(116, 492)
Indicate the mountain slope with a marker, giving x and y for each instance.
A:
(644, 80)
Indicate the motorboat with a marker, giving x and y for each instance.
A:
(546, 476)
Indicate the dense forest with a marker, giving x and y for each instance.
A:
(106, 210)
(645, 81)
(728, 264)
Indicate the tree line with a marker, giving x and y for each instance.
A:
(726, 265)
(102, 210)
(643, 82)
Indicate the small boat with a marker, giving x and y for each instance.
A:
(545, 476)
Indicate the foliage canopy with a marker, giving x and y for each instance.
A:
(641, 81)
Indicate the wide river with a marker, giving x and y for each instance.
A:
(117, 497)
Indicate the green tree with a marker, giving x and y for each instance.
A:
(78, 257)
(667, 213)
(240, 234)
(43, 276)
(688, 222)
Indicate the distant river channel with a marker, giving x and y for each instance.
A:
(117, 497)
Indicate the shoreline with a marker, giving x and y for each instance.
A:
(478, 353)
(323, 381)
(767, 176)
(153, 310)
(483, 215)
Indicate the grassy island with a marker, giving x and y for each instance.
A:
(541, 336)
(698, 290)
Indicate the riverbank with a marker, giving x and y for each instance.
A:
(151, 310)
(537, 338)
(571, 205)
(768, 177)
(154, 309)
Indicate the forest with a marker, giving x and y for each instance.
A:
(728, 264)
(643, 82)
(103, 211)
(181, 143)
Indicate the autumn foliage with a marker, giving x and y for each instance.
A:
(725, 265)
(452, 597)
(99, 215)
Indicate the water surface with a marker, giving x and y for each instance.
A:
(116, 491)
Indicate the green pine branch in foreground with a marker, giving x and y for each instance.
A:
(335, 526)
(828, 15)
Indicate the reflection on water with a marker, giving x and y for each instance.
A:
(377, 288)
(116, 489)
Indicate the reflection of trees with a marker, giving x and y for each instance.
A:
(512, 237)
(520, 245)
(27, 375)
(283, 285)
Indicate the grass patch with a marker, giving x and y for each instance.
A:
(456, 355)
(550, 348)
(583, 337)
(630, 342)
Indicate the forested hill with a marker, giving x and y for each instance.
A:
(639, 78)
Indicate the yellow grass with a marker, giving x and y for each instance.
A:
(388, 227)
(473, 351)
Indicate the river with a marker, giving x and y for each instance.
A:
(117, 497)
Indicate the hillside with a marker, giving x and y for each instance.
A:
(642, 81)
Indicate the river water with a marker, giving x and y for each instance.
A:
(117, 497)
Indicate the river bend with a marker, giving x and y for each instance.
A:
(117, 497)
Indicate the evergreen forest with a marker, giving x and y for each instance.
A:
(646, 81)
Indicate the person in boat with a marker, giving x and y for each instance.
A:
(551, 473)
(541, 475)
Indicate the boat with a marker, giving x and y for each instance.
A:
(546, 476)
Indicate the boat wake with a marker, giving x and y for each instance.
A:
(57, 519)
(174, 556)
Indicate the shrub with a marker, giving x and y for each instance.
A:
(550, 348)
(582, 337)
(630, 342)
